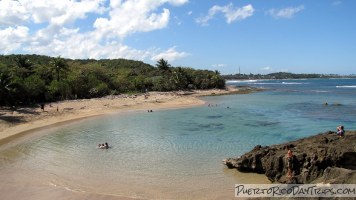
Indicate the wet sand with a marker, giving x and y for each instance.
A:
(36, 186)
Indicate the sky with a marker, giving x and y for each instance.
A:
(258, 36)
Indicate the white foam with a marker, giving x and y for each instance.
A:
(319, 91)
(293, 83)
(241, 81)
(265, 83)
(346, 86)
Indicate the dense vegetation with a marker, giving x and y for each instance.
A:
(283, 75)
(29, 79)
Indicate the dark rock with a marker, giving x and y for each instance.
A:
(336, 175)
(348, 160)
(313, 157)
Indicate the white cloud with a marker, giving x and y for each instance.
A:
(170, 54)
(11, 38)
(231, 14)
(78, 46)
(46, 11)
(12, 13)
(124, 22)
(132, 16)
(176, 2)
(219, 65)
(61, 36)
(267, 69)
(285, 12)
(70, 44)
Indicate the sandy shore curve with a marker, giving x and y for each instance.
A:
(15, 122)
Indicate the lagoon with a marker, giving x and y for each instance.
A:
(177, 153)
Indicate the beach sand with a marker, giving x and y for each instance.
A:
(14, 122)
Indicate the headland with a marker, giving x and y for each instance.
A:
(322, 158)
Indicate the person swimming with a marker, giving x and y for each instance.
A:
(103, 146)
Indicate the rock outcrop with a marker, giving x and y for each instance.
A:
(324, 157)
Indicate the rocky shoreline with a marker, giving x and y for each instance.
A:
(323, 158)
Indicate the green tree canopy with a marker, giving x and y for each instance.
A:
(29, 79)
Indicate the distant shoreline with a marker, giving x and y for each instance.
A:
(17, 122)
(284, 76)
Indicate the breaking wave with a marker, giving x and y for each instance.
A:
(346, 86)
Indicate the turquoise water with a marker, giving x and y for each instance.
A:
(170, 153)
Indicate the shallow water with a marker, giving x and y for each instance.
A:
(175, 154)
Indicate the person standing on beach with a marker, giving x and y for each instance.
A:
(289, 164)
(340, 131)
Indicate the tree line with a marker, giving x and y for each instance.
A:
(31, 79)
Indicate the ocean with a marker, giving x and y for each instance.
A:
(178, 153)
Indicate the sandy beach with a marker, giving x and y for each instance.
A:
(14, 122)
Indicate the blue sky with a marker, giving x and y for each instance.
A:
(260, 36)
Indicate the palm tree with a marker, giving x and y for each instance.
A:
(218, 81)
(5, 87)
(59, 65)
(180, 78)
(163, 64)
(25, 66)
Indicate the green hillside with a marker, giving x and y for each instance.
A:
(29, 79)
